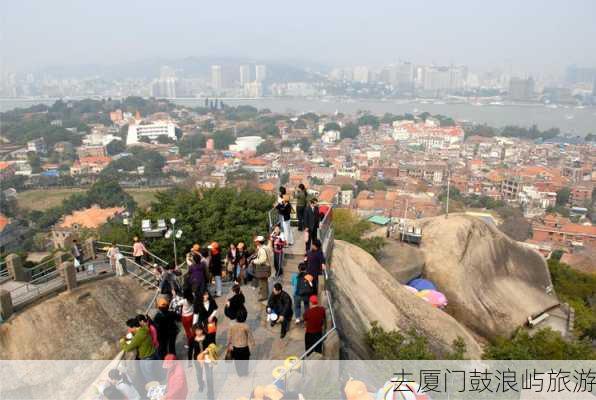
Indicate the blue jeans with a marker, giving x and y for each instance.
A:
(218, 285)
(298, 302)
(147, 367)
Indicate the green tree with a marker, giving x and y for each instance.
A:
(224, 215)
(223, 139)
(546, 344)
(191, 143)
(332, 126)
(349, 131)
(115, 147)
(409, 345)
(351, 228)
(563, 196)
(369, 119)
(266, 147)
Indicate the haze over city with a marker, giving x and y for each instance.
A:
(529, 36)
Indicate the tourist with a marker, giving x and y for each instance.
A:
(303, 288)
(312, 220)
(198, 346)
(138, 250)
(114, 255)
(234, 303)
(231, 262)
(144, 320)
(196, 277)
(315, 263)
(122, 382)
(215, 266)
(208, 359)
(113, 393)
(205, 309)
(314, 324)
(195, 251)
(187, 313)
(141, 343)
(301, 196)
(285, 212)
(77, 256)
(279, 308)
(241, 263)
(262, 268)
(279, 241)
(167, 327)
(169, 285)
(280, 199)
(240, 341)
(176, 387)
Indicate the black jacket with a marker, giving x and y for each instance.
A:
(281, 304)
(203, 312)
(236, 303)
(285, 210)
(195, 348)
(215, 264)
(312, 218)
(166, 323)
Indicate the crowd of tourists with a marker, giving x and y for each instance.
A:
(187, 304)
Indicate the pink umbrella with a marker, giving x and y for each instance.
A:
(437, 299)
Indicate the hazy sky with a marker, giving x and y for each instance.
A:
(528, 35)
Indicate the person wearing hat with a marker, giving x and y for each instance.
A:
(279, 308)
(262, 267)
(314, 324)
(167, 328)
(215, 266)
(141, 343)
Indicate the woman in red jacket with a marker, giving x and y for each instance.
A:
(176, 388)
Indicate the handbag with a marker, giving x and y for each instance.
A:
(211, 327)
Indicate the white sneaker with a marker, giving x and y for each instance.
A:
(297, 320)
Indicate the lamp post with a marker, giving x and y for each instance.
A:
(174, 234)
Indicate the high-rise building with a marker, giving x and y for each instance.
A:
(216, 77)
(260, 73)
(244, 75)
(166, 85)
(361, 74)
(253, 89)
(575, 74)
(521, 89)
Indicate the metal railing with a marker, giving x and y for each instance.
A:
(130, 253)
(4, 272)
(36, 287)
(326, 238)
(140, 272)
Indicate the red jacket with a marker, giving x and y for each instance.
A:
(176, 388)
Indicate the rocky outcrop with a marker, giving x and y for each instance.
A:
(363, 292)
(83, 324)
(492, 282)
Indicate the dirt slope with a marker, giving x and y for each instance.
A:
(84, 324)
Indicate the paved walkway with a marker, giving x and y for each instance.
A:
(269, 345)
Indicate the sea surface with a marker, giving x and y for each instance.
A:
(570, 119)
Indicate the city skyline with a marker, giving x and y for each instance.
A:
(505, 35)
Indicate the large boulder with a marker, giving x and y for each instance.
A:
(84, 324)
(364, 292)
(493, 283)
